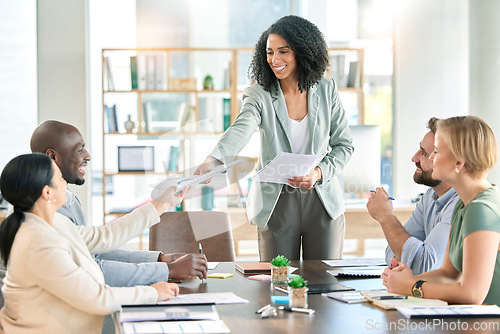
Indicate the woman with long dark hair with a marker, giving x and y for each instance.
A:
(53, 285)
(297, 110)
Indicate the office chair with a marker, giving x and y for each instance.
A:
(181, 231)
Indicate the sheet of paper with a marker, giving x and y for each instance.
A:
(153, 327)
(212, 265)
(455, 311)
(357, 262)
(168, 312)
(357, 271)
(193, 180)
(206, 298)
(351, 297)
(287, 165)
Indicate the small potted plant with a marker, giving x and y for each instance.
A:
(280, 267)
(297, 289)
(208, 83)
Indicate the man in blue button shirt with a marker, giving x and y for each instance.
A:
(422, 241)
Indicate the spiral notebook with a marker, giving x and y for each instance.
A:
(361, 272)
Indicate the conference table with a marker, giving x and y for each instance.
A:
(331, 316)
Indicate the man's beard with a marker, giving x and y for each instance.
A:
(79, 182)
(425, 178)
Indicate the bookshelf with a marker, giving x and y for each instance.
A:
(162, 92)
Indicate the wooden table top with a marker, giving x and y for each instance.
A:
(331, 316)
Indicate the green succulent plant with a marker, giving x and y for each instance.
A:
(297, 282)
(280, 261)
(208, 82)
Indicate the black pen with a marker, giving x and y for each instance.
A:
(201, 252)
(390, 297)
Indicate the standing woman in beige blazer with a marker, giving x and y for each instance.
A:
(53, 285)
(298, 110)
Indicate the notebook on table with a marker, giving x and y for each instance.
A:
(251, 268)
(358, 272)
(327, 287)
(376, 297)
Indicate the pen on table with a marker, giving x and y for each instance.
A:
(297, 309)
(390, 297)
(201, 252)
(373, 191)
(262, 309)
(281, 289)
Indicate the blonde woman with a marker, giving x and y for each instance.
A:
(465, 151)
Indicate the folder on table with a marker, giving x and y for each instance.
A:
(250, 268)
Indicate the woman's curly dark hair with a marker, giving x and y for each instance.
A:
(309, 45)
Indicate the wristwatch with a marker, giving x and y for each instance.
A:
(416, 290)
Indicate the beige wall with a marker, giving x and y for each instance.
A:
(62, 69)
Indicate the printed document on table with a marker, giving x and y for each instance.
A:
(287, 165)
(206, 298)
(356, 262)
(153, 327)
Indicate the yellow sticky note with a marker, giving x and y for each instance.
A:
(219, 275)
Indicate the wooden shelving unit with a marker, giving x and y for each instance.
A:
(181, 64)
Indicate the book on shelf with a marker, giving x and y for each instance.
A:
(338, 70)
(134, 80)
(354, 76)
(117, 73)
(226, 113)
(390, 301)
(108, 76)
(173, 159)
(150, 72)
(227, 76)
(147, 115)
(111, 117)
(141, 71)
(187, 115)
(210, 113)
(161, 68)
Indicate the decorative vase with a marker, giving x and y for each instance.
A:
(298, 297)
(279, 274)
(129, 124)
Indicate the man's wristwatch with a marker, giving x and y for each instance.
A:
(416, 290)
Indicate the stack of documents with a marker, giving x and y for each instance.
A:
(359, 267)
(190, 313)
(172, 319)
(359, 272)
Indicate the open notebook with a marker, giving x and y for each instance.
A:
(390, 304)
